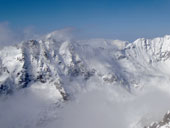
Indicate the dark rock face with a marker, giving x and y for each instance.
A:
(6, 87)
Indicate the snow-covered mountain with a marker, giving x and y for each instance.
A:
(64, 66)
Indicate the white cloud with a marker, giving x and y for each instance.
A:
(9, 36)
(107, 107)
(94, 107)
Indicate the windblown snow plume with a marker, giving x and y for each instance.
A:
(58, 81)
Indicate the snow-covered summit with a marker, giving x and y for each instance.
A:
(59, 61)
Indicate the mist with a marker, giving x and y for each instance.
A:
(105, 107)
(11, 36)
(93, 107)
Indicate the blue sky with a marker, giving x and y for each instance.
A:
(116, 19)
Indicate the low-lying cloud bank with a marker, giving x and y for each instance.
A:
(97, 107)
(105, 107)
